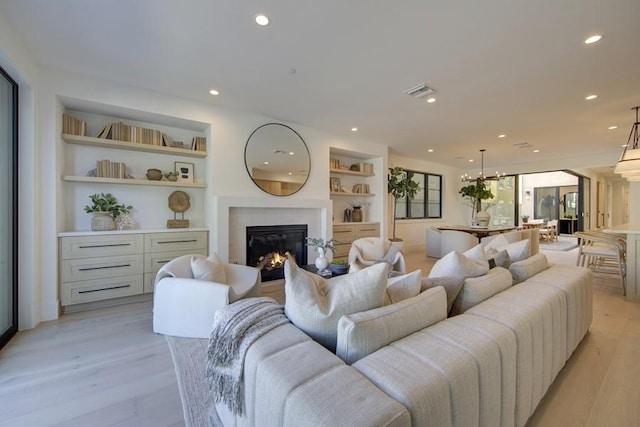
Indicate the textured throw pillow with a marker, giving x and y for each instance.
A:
(363, 333)
(451, 285)
(210, 269)
(454, 264)
(315, 304)
(476, 254)
(477, 289)
(517, 251)
(402, 287)
(496, 242)
(498, 258)
(522, 270)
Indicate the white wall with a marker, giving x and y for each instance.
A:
(454, 208)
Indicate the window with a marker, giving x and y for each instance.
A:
(428, 200)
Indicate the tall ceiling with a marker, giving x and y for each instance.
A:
(513, 67)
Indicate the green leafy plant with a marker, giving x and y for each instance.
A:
(476, 193)
(170, 174)
(525, 218)
(340, 261)
(400, 185)
(320, 243)
(107, 203)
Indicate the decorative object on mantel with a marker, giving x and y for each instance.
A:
(179, 202)
(171, 176)
(154, 174)
(106, 209)
(629, 164)
(125, 222)
(400, 185)
(321, 247)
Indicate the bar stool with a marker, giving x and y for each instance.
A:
(603, 253)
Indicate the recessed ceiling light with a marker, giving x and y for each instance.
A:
(536, 151)
(290, 173)
(593, 39)
(291, 153)
(354, 129)
(502, 135)
(266, 163)
(214, 92)
(262, 20)
(612, 127)
(470, 160)
(431, 100)
(590, 97)
(430, 150)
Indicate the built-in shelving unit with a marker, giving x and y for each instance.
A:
(345, 194)
(350, 172)
(92, 179)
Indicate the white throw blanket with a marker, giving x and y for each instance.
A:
(235, 328)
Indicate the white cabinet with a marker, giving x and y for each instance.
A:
(101, 266)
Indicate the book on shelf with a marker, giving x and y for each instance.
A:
(334, 163)
(199, 143)
(123, 132)
(73, 126)
(360, 189)
(109, 169)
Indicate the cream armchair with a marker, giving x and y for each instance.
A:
(372, 250)
(184, 306)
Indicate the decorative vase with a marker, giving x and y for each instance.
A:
(102, 221)
(483, 218)
(172, 178)
(321, 262)
(356, 214)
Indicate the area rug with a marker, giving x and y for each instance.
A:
(189, 356)
(560, 245)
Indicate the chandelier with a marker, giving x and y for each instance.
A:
(481, 176)
(629, 164)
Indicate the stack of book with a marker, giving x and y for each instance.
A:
(361, 188)
(123, 132)
(334, 163)
(109, 169)
(199, 143)
(73, 126)
(362, 167)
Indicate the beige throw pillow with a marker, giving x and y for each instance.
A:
(315, 304)
(522, 270)
(402, 287)
(477, 289)
(210, 269)
(451, 285)
(455, 264)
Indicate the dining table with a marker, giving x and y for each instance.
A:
(479, 232)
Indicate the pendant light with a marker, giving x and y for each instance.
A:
(629, 164)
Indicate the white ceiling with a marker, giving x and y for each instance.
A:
(500, 66)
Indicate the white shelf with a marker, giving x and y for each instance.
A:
(350, 172)
(340, 193)
(133, 146)
(71, 178)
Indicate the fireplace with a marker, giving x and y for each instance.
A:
(267, 245)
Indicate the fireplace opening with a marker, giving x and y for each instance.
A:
(268, 244)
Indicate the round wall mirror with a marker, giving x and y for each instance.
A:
(277, 159)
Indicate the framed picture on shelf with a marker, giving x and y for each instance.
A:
(185, 172)
(335, 184)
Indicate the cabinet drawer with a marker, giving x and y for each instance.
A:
(74, 270)
(95, 246)
(342, 249)
(100, 289)
(368, 230)
(344, 233)
(149, 281)
(153, 261)
(168, 242)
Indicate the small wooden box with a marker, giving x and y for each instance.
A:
(177, 223)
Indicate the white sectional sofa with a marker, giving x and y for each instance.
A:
(489, 366)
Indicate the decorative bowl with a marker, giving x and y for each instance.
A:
(154, 174)
(338, 268)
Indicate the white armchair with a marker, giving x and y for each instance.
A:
(372, 250)
(184, 306)
(453, 240)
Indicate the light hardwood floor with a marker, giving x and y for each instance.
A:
(106, 368)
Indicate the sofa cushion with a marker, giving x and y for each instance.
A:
(451, 285)
(210, 269)
(517, 251)
(477, 289)
(360, 334)
(315, 304)
(455, 264)
(526, 268)
(403, 286)
(476, 254)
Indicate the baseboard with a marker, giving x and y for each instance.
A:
(105, 303)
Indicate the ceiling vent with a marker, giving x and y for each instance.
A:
(420, 91)
(524, 144)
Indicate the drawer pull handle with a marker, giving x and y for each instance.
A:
(178, 241)
(104, 246)
(104, 289)
(163, 261)
(338, 231)
(102, 268)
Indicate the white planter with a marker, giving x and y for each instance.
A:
(483, 218)
(102, 221)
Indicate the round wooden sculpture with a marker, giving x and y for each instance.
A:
(179, 202)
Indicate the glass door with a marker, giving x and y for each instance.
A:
(8, 207)
(584, 203)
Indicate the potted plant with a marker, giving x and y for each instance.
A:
(400, 185)
(338, 266)
(476, 193)
(106, 210)
(525, 218)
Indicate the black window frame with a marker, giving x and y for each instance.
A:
(425, 206)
